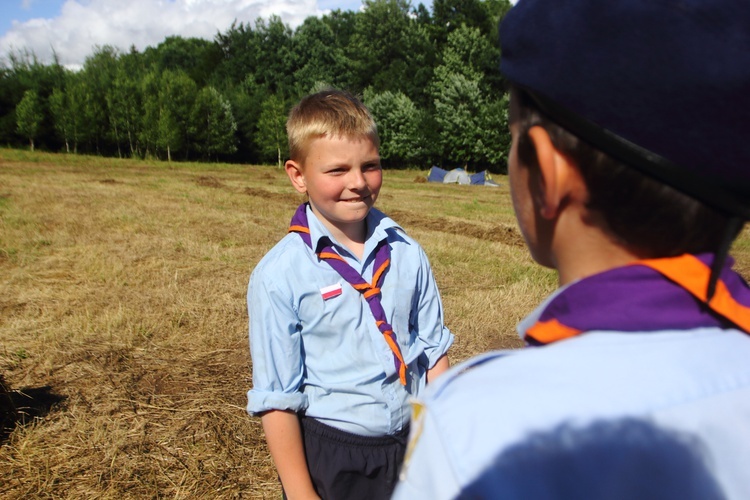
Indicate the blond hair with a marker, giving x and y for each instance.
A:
(328, 113)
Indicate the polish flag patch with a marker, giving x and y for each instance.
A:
(330, 292)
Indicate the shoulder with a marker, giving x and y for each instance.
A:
(595, 361)
(576, 378)
(400, 241)
(382, 223)
(290, 252)
(458, 374)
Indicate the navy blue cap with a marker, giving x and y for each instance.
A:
(661, 85)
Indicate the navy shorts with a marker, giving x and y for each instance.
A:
(345, 466)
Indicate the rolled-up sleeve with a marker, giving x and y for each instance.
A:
(434, 337)
(275, 347)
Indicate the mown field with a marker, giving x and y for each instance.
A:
(123, 324)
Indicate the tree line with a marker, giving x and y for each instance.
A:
(430, 77)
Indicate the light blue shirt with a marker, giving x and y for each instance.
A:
(694, 383)
(326, 357)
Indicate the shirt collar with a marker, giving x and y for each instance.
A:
(666, 293)
(378, 225)
(523, 326)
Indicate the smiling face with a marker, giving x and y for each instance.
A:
(342, 178)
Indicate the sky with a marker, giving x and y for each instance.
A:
(72, 28)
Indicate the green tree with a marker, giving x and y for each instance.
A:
(247, 101)
(458, 105)
(177, 94)
(25, 72)
(342, 24)
(316, 57)
(212, 125)
(273, 67)
(151, 110)
(167, 132)
(495, 140)
(124, 102)
(399, 122)
(239, 47)
(67, 107)
(389, 50)
(98, 73)
(29, 116)
(169, 98)
(480, 18)
(470, 123)
(197, 57)
(64, 120)
(449, 15)
(272, 139)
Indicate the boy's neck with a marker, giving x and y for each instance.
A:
(582, 249)
(352, 235)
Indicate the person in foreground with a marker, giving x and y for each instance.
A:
(630, 176)
(346, 323)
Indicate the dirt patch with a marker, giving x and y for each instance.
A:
(209, 181)
(500, 233)
(286, 198)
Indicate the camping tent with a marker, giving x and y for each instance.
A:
(460, 176)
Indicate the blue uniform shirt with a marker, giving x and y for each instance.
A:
(326, 356)
(503, 411)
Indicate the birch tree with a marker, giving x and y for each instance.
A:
(29, 116)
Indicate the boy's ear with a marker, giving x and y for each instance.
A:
(558, 176)
(296, 175)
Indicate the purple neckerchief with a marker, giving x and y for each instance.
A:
(371, 292)
(640, 298)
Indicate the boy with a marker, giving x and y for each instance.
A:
(630, 175)
(346, 323)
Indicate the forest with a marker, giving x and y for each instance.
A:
(430, 77)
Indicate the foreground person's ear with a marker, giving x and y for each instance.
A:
(559, 178)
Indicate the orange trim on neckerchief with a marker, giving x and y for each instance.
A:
(381, 270)
(331, 255)
(688, 272)
(551, 331)
(396, 351)
(693, 275)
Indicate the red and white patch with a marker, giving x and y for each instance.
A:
(329, 292)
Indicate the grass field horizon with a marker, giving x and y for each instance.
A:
(123, 303)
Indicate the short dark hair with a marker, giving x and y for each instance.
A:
(648, 217)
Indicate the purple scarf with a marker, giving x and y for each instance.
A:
(646, 295)
(370, 291)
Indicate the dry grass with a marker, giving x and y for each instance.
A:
(122, 307)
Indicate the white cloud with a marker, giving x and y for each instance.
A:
(84, 24)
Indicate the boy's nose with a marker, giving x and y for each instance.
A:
(356, 179)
